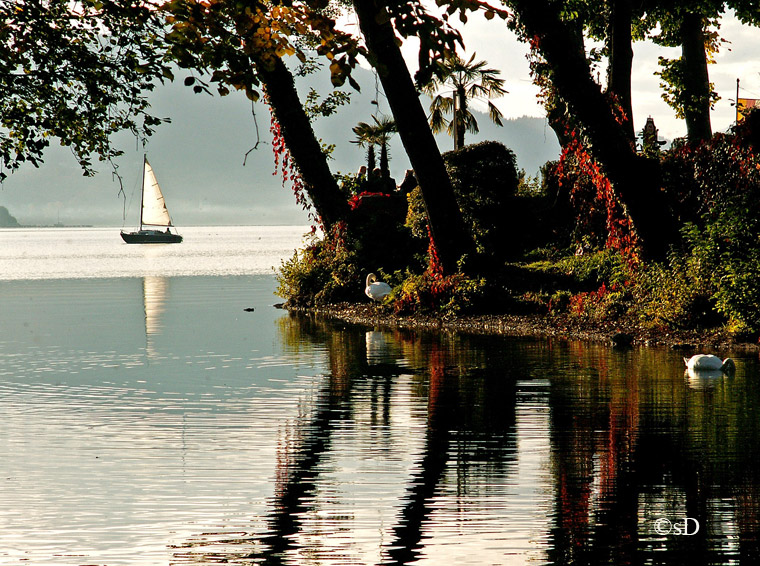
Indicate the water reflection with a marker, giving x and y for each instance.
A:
(704, 379)
(423, 448)
(154, 300)
(360, 475)
(632, 444)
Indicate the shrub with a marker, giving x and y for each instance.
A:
(602, 304)
(376, 232)
(715, 188)
(448, 296)
(485, 181)
(326, 271)
(593, 268)
(677, 294)
(728, 250)
(371, 238)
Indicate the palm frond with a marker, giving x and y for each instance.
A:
(470, 123)
(475, 79)
(495, 114)
(442, 104)
(437, 121)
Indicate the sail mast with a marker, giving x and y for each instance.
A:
(142, 191)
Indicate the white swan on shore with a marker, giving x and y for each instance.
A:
(376, 290)
(708, 362)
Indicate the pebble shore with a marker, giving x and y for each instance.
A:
(562, 327)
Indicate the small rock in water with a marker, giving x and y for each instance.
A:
(621, 339)
(249, 309)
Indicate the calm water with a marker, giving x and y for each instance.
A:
(147, 419)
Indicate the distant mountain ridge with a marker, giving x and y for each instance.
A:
(529, 137)
(6, 219)
(200, 156)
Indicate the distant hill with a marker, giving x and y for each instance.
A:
(199, 159)
(6, 219)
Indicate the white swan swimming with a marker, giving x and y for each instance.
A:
(376, 290)
(708, 362)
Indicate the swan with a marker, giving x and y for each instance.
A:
(708, 362)
(376, 290)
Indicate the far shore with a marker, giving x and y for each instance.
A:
(535, 326)
(48, 226)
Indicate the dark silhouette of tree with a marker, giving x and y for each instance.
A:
(242, 48)
(377, 134)
(447, 228)
(463, 81)
(78, 72)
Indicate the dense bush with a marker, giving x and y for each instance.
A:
(372, 238)
(376, 232)
(446, 296)
(677, 294)
(715, 276)
(723, 241)
(326, 271)
(485, 181)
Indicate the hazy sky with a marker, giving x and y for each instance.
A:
(198, 157)
(739, 57)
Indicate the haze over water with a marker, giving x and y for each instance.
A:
(148, 419)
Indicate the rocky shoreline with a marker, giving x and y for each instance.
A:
(538, 326)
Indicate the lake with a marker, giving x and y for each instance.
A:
(148, 419)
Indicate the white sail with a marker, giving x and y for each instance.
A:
(154, 211)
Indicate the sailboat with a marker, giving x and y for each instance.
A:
(153, 214)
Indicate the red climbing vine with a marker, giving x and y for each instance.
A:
(287, 168)
(593, 198)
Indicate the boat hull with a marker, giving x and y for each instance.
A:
(151, 237)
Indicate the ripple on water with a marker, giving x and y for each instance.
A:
(268, 439)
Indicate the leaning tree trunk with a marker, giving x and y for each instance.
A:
(556, 108)
(696, 78)
(319, 183)
(620, 42)
(447, 228)
(636, 180)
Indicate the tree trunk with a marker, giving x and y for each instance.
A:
(696, 78)
(371, 162)
(385, 171)
(319, 183)
(636, 180)
(620, 43)
(447, 228)
(461, 109)
(557, 111)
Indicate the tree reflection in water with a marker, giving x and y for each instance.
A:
(631, 444)
(630, 441)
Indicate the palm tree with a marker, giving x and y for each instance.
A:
(469, 81)
(370, 135)
(365, 138)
